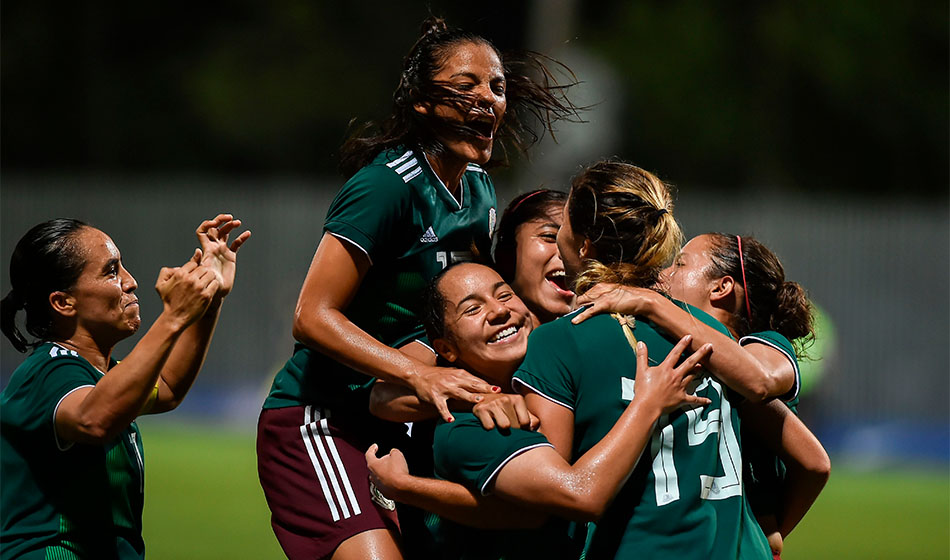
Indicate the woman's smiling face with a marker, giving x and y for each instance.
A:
(486, 324)
(539, 273)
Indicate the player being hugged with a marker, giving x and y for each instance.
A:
(740, 282)
(71, 456)
(417, 199)
(685, 497)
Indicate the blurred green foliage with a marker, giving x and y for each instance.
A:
(810, 94)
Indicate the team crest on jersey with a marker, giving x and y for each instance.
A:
(491, 222)
(381, 501)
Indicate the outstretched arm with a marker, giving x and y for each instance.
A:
(188, 353)
(754, 376)
(320, 322)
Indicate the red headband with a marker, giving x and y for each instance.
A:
(520, 202)
(745, 289)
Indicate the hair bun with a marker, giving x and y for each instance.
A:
(432, 25)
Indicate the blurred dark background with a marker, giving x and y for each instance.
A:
(811, 95)
(820, 127)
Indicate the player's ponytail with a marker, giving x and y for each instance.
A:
(46, 260)
(626, 214)
(9, 307)
(793, 316)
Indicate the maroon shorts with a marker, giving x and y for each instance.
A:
(313, 472)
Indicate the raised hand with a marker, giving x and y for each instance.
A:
(217, 255)
(187, 290)
(613, 298)
(666, 385)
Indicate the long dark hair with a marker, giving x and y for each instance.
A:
(47, 259)
(774, 303)
(532, 90)
(532, 205)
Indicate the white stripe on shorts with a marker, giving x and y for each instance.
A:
(320, 436)
(316, 466)
(340, 468)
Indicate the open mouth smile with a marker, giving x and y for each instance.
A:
(558, 281)
(504, 334)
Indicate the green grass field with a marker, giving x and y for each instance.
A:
(202, 501)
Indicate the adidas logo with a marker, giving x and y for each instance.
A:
(429, 236)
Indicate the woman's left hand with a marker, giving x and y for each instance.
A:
(217, 255)
(386, 471)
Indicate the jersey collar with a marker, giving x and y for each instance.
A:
(444, 193)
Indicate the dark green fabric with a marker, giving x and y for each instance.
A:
(81, 502)
(684, 499)
(401, 215)
(467, 453)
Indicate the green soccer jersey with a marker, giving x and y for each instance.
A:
(465, 452)
(400, 214)
(684, 498)
(764, 473)
(60, 500)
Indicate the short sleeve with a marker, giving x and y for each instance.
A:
(467, 453)
(778, 342)
(550, 364)
(370, 209)
(35, 401)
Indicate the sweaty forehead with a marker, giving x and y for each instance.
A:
(96, 245)
(466, 280)
(470, 57)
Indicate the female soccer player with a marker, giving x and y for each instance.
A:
(477, 322)
(455, 503)
(687, 499)
(70, 453)
(526, 253)
(417, 199)
(742, 283)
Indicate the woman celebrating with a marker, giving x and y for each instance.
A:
(475, 321)
(685, 498)
(740, 282)
(526, 253)
(71, 458)
(417, 199)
